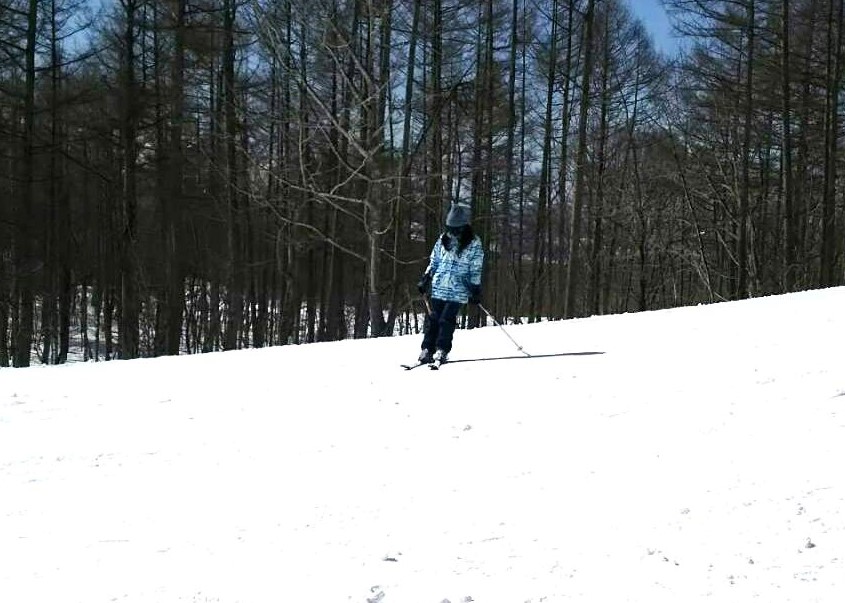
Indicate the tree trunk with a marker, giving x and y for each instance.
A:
(59, 191)
(827, 276)
(596, 306)
(4, 319)
(544, 195)
(790, 217)
(434, 204)
(372, 135)
(53, 225)
(24, 261)
(83, 321)
(381, 123)
(803, 159)
(572, 272)
(563, 163)
(741, 290)
(401, 214)
(505, 259)
(519, 271)
(174, 175)
(286, 250)
(129, 298)
(480, 110)
(235, 280)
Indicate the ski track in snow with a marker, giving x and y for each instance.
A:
(694, 457)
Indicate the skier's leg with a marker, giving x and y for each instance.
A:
(431, 326)
(446, 328)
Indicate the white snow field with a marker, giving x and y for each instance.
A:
(683, 455)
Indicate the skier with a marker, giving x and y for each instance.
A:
(454, 278)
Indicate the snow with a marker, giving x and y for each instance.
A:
(682, 455)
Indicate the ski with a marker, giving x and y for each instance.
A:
(410, 367)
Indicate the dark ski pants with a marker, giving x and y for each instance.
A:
(439, 326)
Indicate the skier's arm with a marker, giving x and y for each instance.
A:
(425, 281)
(433, 260)
(476, 263)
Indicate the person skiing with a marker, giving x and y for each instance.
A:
(453, 277)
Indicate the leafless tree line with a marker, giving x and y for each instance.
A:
(193, 175)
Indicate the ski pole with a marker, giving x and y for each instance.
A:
(495, 322)
(427, 304)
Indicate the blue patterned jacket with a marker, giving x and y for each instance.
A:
(452, 272)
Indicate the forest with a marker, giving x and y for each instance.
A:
(186, 176)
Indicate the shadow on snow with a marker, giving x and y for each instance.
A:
(531, 357)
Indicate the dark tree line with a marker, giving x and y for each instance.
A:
(194, 175)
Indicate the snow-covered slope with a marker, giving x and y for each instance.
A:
(683, 455)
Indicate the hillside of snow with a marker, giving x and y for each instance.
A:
(683, 455)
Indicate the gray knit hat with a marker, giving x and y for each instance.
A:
(458, 215)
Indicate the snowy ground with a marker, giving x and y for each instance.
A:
(684, 455)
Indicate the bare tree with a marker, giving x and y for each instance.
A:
(580, 194)
(129, 297)
(543, 211)
(25, 266)
(790, 217)
(833, 88)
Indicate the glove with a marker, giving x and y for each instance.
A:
(424, 283)
(475, 294)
